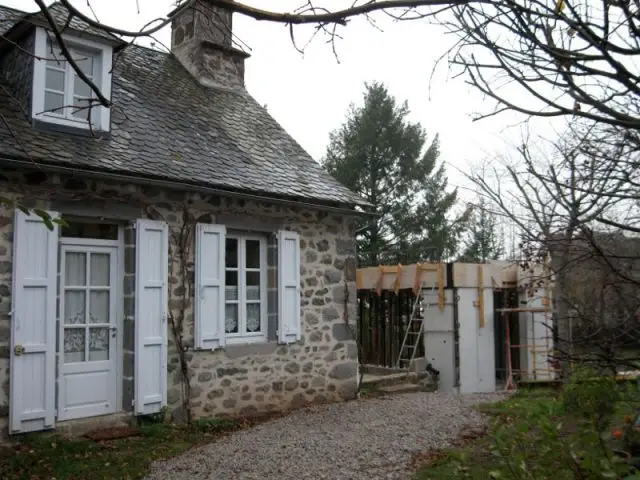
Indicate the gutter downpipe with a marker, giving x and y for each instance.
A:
(182, 186)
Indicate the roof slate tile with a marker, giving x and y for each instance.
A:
(166, 125)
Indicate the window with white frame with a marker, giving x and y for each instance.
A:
(65, 93)
(245, 288)
(231, 287)
(60, 95)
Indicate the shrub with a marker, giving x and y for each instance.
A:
(560, 437)
(591, 397)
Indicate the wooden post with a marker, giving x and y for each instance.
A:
(441, 286)
(480, 302)
(398, 279)
(510, 384)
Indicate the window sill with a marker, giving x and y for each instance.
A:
(73, 128)
(246, 340)
(239, 350)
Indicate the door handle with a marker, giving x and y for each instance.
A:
(18, 350)
(114, 330)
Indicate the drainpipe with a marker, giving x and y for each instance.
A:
(456, 338)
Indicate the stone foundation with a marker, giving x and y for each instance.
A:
(241, 379)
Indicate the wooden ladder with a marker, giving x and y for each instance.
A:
(413, 333)
(415, 326)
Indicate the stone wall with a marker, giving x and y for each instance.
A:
(223, 67)
(205, 22)
(243, 379)
(201, 38)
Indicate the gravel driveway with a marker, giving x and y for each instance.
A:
(369, 439)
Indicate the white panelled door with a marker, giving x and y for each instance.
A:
(87, 382)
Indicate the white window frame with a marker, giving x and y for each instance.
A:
(68, 93)
(243, 336)
(103, 57)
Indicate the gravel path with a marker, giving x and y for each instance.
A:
(370, 439)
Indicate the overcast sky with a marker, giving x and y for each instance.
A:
(309, 94)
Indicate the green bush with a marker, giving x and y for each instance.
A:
(591, 397)
(533, 441)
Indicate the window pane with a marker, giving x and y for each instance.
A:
(84, 61)
(99, 307)
(53, 102)
(253, 285)
(54, 80)
(253, 317)
(81, 108)
(75, 269)
(104, 231)
(231, 285)
(100, 269)
(81, 88)
(55, 59)
(231, 318)
(253, 253)
(74, 307)
(98, 344)
(74, 345)
(231, 253)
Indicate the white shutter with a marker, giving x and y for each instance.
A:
(152, 270)
(288, 286)
(209, 307)
(33, 324)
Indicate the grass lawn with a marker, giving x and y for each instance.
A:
(532, 435)
(47, 456)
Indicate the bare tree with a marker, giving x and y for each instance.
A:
(563, 201)
(324, 19)
(551, 59)
(560, 58)
(537, 57)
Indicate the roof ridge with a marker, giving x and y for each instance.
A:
(145, 47)
(21, 12)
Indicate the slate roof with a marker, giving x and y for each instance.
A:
(8, 18)
(165, 125)
(60, 14)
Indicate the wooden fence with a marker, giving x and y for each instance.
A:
(382, 322)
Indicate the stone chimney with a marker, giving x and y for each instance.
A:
(201, 39)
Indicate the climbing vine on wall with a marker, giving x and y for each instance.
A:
(182, 241)
(181, 275)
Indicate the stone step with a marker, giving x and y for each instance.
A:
(375, 381)
(401, 388)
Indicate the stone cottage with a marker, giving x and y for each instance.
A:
(204, 264)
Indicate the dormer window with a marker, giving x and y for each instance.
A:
(65, 93)
(60, 96)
